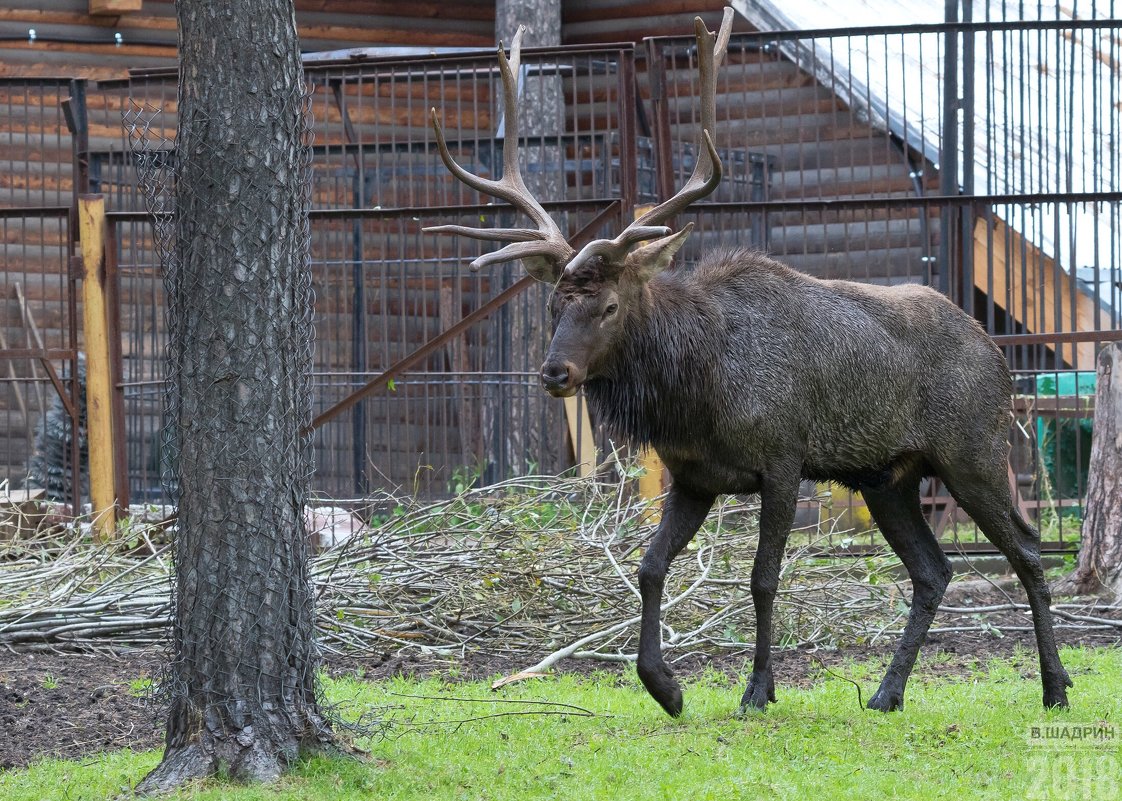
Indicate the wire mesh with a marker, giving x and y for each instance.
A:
(230, 234)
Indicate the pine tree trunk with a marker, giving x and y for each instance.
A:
(242, 683)
(1100, 551)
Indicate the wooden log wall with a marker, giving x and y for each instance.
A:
(815, 147)
(413, 285)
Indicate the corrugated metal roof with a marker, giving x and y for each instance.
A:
(1048, 115)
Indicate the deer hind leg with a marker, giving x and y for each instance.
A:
(897, 513)
(682, 516)
(778, 497)
(983, 493)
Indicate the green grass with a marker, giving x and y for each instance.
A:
(959, 738)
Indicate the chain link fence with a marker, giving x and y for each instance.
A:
(229, 224)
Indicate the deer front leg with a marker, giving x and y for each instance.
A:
(778, 496)
(682, 516)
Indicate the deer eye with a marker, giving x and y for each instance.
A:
(612, 309)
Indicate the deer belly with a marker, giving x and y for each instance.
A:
(714, 475)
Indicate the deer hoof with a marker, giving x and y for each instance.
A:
(662, 686)
(887, 699)
(1055, 693)
(760, 692)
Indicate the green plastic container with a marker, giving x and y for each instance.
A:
(1065, 442)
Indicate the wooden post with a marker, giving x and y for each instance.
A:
(580, 434)
(650, 483)
(99, 384)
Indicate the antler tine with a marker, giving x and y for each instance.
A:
(546, 241)
(707, 171)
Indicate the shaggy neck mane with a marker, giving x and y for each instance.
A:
(659, 388)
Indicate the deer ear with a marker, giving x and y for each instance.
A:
(651, 259)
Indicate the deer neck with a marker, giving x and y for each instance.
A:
(656, 391)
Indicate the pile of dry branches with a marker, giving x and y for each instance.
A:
(546, 567)
(535, 570)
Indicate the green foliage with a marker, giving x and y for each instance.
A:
(464, 478)
(50, 682)
(142, 687)
(958, 738)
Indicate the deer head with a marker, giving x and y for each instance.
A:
(597, 288)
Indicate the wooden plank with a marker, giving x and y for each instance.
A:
(1029, 286)
(99, 380)
(651, 482)
(114, 7)
(860, 265)
(635, 27)
(1055, 406)
(580, 435)
(592, 11)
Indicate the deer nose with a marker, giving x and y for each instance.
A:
(555, 375)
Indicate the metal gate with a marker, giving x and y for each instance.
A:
(42, 429)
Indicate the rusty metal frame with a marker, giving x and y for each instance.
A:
(73, 108)
(383, 379)
(334, 78)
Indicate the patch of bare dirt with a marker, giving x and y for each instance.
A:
(68, 705)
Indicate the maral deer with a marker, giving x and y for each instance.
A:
(747, 377)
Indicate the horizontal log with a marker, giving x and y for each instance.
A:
(1072, 406)
(50, 318)
(757, 135)
(814, 217)
(901, 265)
(873, 235)
(635, 29)
(739, 81)
(788, 105)
(871, 182)
(597, 10)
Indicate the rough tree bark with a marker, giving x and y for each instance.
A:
(242, 683)
(1100, 552)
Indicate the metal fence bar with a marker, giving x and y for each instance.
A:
(41, 414)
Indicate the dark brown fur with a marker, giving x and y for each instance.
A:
(746, 376)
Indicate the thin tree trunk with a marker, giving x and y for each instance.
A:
(1100, 551)
(242, 683)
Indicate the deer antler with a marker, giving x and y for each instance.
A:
(711, 49)
(544, 249)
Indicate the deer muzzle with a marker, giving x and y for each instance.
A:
(561, 378)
